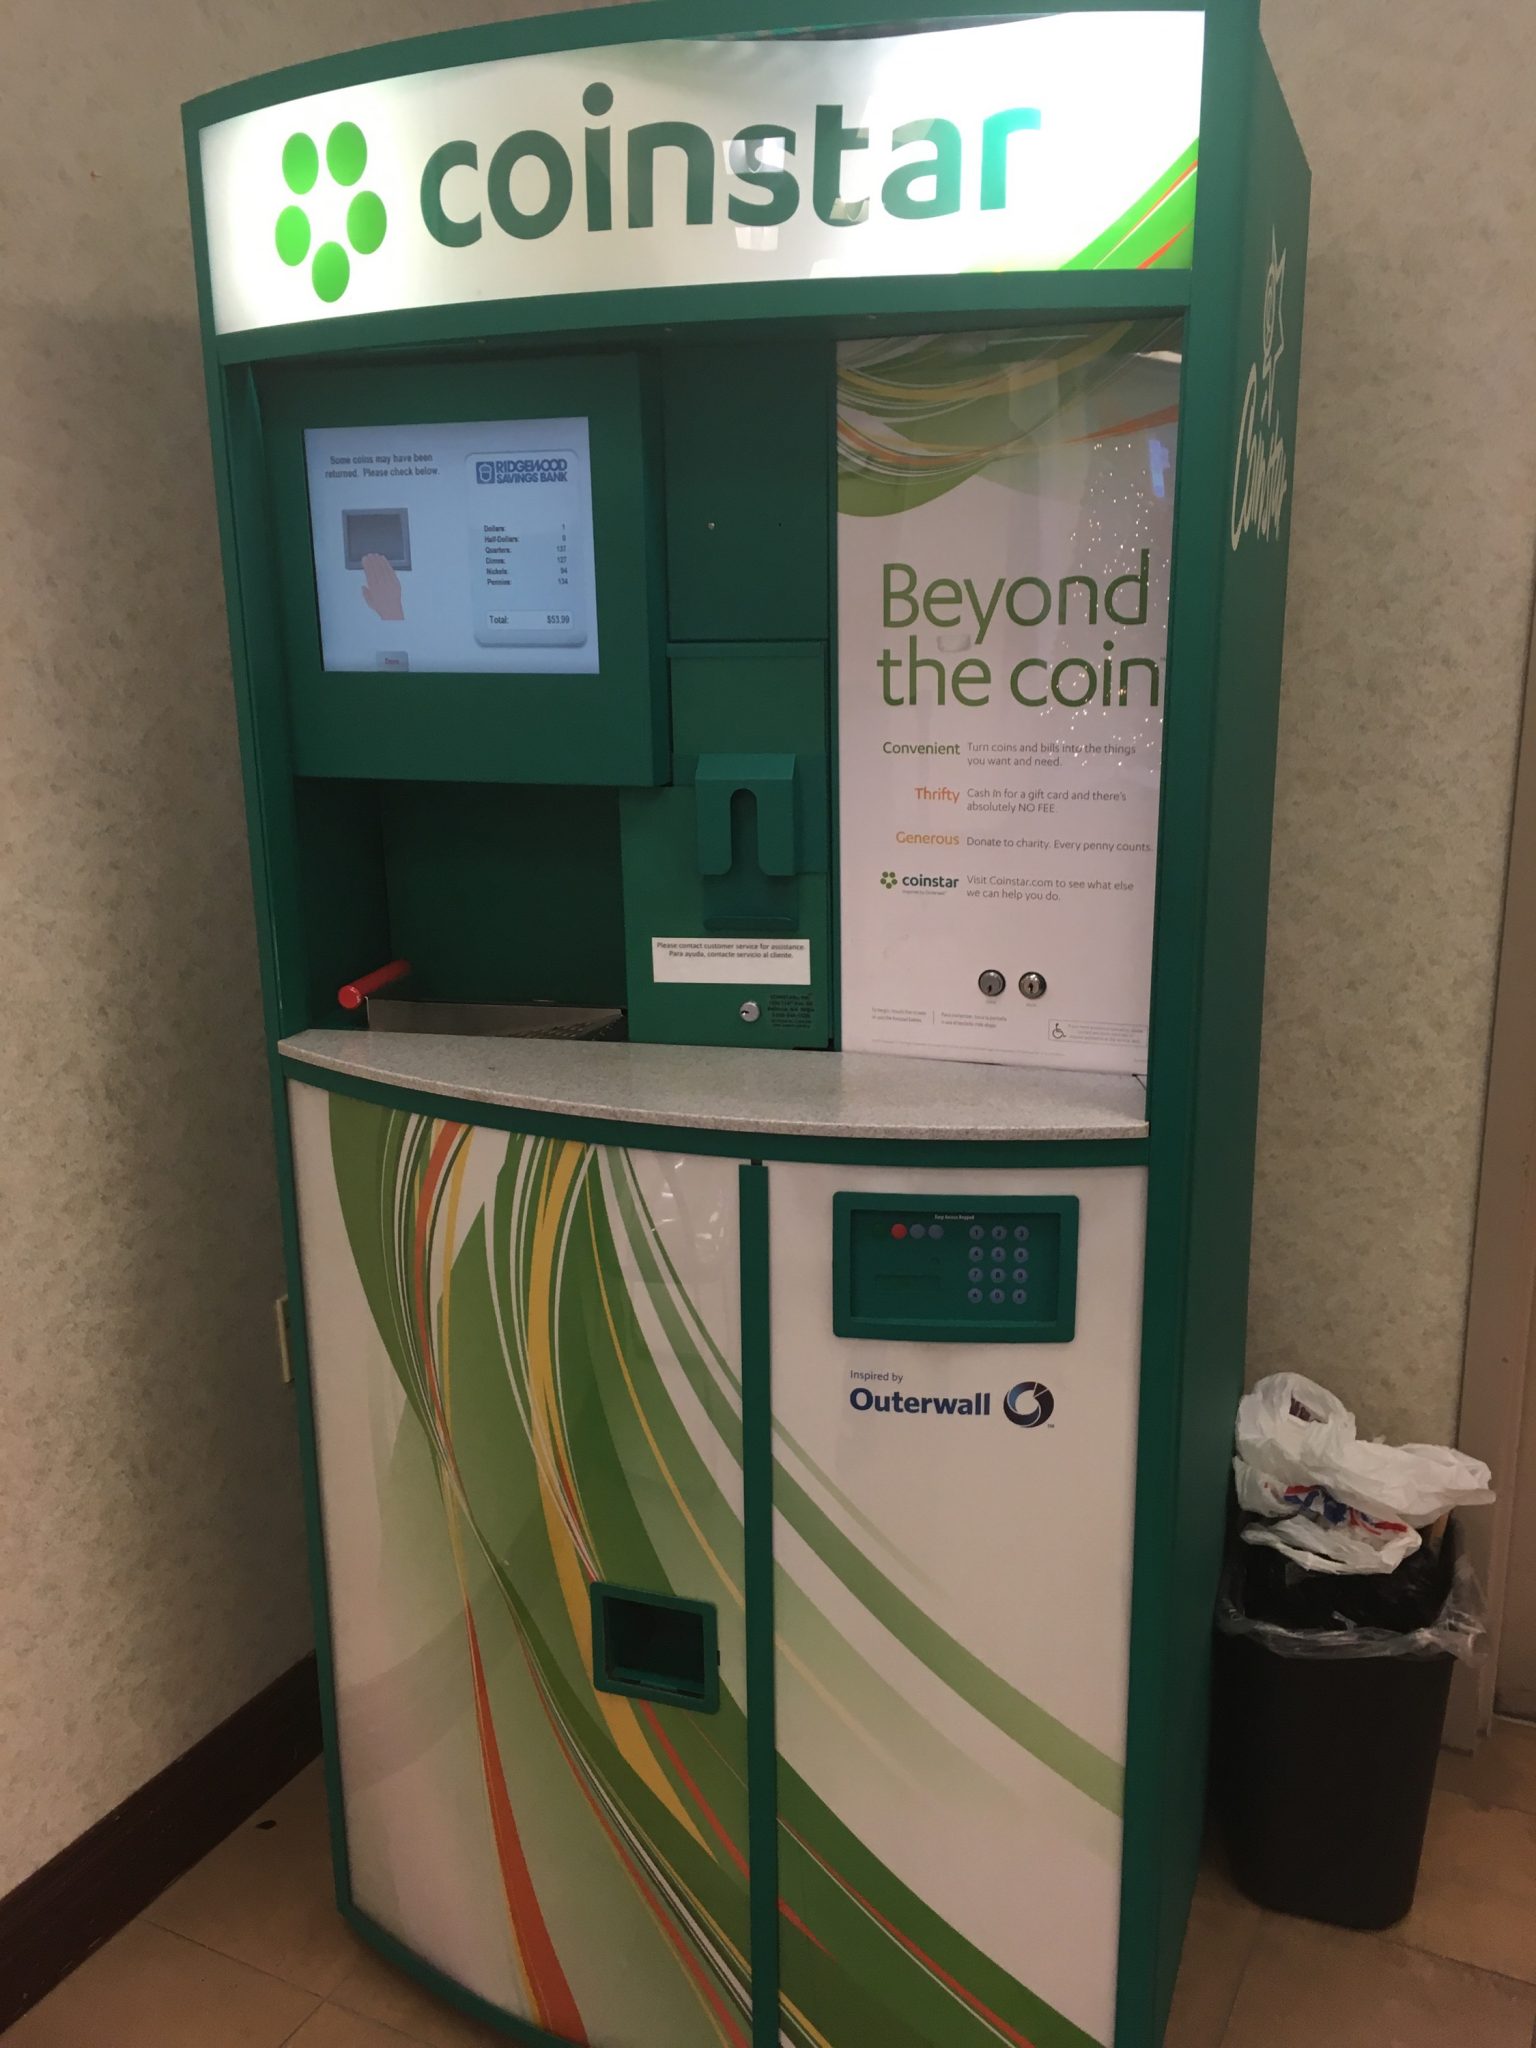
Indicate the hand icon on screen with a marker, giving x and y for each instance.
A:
(381, 588)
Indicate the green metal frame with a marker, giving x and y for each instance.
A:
(656, 21)
(1212, 890)
(1207, 1006)
(758, 1588)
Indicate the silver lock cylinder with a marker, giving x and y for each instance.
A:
(1032, 986)
(749, 1012)
(990, 982)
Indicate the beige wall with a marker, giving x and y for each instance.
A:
(1413, 540)
(151, 1556)
(150, 1546)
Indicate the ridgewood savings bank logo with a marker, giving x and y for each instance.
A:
(346, 158)
(522, 469)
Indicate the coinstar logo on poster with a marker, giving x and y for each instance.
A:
(1004, 534)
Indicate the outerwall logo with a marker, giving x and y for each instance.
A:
(865, 1401)
(1029, 1404)
(346, 158)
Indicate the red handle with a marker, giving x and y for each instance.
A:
(353, 994)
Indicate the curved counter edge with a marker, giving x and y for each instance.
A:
(800, 1095)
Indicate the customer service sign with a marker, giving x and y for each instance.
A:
(1059, 142)
(1005, 522)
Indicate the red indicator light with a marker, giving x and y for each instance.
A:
(898, 1230)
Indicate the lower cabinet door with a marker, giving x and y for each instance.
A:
(952, 1548)
(525, 1360)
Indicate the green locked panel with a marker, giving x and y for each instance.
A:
(748, 440)
(726, 889)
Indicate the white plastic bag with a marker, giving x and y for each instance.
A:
(1333, 1502)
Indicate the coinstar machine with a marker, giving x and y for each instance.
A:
(756, 563)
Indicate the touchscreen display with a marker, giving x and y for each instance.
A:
(457, 547)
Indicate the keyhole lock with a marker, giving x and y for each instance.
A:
(1032, 986)
(749, 1012)
(990, 982)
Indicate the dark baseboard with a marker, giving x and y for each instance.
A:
(54, 1918)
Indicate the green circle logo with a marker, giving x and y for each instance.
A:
(346, 158)
(888, 880)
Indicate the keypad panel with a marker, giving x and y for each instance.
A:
(994, 1269)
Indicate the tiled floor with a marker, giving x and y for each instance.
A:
(1459, 1972)
(246, 1951)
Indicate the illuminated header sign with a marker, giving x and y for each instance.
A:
(1063, 142)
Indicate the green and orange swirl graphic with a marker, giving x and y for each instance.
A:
(583, 1422)
(917, 415)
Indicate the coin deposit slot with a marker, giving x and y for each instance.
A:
(650, 1646)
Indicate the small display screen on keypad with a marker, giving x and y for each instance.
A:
(992, 1270)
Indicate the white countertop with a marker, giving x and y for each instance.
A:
(728, 1088)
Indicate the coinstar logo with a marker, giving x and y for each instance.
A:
(532, 180)
(1015, 144)
(889, 879)
(346, 158)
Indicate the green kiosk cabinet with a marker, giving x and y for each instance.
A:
(755, 551)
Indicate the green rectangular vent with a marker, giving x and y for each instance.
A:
(650, 1646)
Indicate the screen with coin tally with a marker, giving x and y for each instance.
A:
(454, 547)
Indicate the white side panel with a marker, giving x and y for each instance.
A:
(404, 1691)
(954, 1605)
(524, 1356)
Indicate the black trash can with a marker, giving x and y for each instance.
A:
(1327, 1728)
